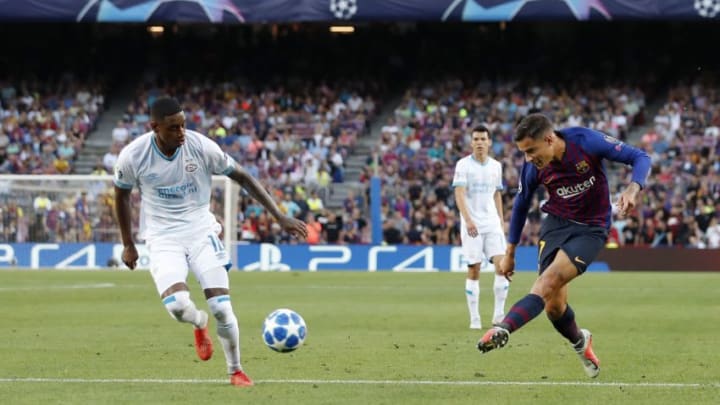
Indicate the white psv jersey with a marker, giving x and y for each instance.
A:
(481, 181)
(175, 191)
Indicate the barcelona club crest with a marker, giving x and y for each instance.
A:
(582, 167)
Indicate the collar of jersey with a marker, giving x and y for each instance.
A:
(159, 152)
(479, 162)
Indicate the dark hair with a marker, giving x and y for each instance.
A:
(481, 128)
(164, 106)
(532, 126)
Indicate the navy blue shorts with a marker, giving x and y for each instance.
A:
(580, 242)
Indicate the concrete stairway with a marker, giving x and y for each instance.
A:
(651, 110)
(99, 141)
(355, 162)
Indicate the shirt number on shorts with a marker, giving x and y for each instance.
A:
(215, 241)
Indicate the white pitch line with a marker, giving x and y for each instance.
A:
(360, 382)
(59, 287)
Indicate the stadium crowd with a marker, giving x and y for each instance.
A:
(431, 131)
(295, 138)
(431, 128)
(284, 134)
(681, 204)
(44, 124)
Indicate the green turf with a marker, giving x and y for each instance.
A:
(385, 332)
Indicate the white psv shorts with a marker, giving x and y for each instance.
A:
(203, 252)
(485, 245)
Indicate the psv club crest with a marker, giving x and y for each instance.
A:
(582, 167)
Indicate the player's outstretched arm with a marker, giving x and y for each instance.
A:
(628, 199)
(615, 150)
(257, 191)
(124, 219)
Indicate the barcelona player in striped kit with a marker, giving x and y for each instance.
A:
(569, 164)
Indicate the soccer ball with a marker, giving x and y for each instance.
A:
(284, 330)
(707, 8)
(343, 9)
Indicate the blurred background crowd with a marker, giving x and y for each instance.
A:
(398, 102)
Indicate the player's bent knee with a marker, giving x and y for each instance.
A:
(553, 311)
(221, 308)
(547, 286)
(177, 303)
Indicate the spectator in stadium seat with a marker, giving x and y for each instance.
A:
(248, 231)
(629, 232)
(392, 232)
(332, 229)
(352, 201)
(99, 168)
(110, 157)
(264, 232)
(11, 164)
(315, 203)
(314, 229)
(65, 148)
(120, 134)
(323, 183)
(60, 165)
(712, 234)
(351, 232)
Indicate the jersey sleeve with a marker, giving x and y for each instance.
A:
(218, 161)
(460, 176)
(124, 172)
(613, 149)
(523, 199)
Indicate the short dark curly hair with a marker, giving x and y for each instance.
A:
(532, 126)
(164, 106)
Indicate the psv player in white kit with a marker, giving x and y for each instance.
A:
(478, 183)
(173, 167)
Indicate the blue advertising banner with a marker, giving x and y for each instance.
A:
(267, 257)
(241, 11)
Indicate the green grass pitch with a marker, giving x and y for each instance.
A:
(373, 338)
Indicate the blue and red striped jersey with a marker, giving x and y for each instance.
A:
(577, 186)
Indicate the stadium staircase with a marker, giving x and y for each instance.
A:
(355, 163)
(651, 110)
(98, 144)
(99, 141)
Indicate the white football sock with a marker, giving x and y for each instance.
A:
(227, 330)
(472, 294)
(181, 308)
(500, 288)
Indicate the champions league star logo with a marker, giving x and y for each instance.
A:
(498, 10)
(216, 11)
